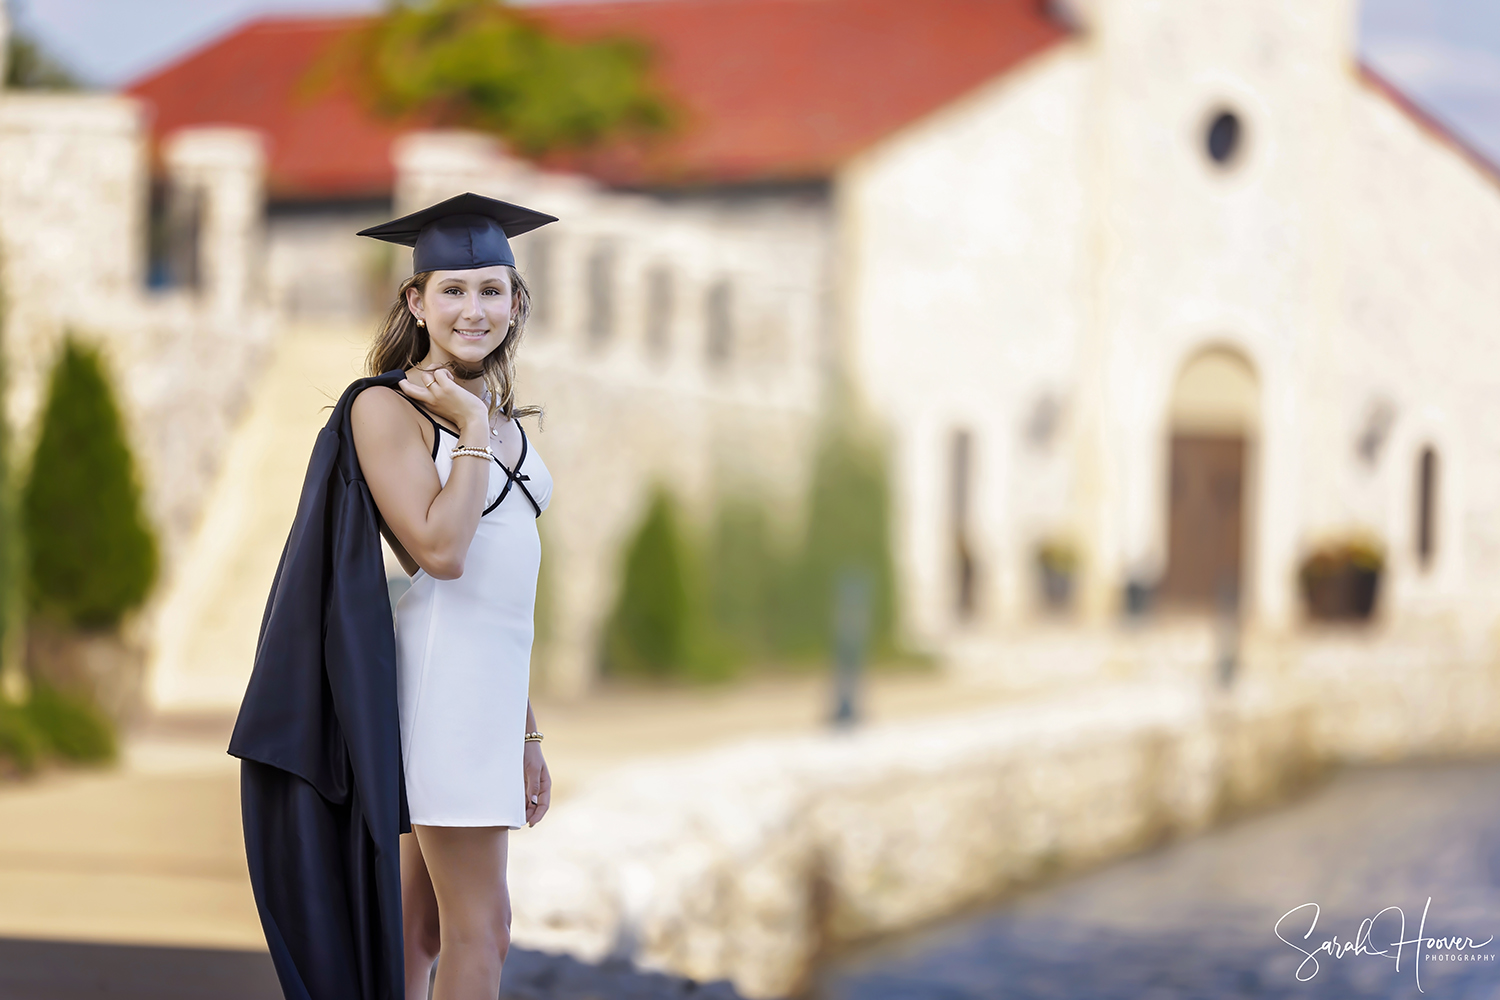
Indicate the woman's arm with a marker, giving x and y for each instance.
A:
(433, 523)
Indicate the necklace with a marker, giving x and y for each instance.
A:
(494, 431)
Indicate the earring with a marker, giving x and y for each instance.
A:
(421, 322)
(513, 323)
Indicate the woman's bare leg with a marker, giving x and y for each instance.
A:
(467, 868)
(419, 918)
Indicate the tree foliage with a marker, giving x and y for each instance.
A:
(54, 724)
(90, 551)
(12, 551)
(482, 64)
(700, 611)
(659, 627)
(745, 570)
(847, 529)
(28, 66)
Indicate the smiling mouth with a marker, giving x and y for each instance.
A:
(472, 333)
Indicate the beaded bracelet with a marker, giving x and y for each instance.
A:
(533, 737)
(462, 449)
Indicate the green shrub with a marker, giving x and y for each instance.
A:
(20, 743)
(848, 528)
(92, 555)
(70, 726)
(745, 567)
(12, 555)
(660, 626)
(752, 599)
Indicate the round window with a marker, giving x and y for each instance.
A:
(1225, 135)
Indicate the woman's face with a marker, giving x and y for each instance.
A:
(468, 312)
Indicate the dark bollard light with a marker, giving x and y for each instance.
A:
(1227, 633)
(1138, 598)
(851, 629)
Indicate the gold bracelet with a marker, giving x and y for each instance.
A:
(533, 737)
(463, 449)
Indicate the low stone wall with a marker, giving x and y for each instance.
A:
(745, 862)
(1391, 693)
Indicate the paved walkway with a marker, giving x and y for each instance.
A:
(150, 852)
(1197, 919)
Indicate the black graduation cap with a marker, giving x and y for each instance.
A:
(466, 231)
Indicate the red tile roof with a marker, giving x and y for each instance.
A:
(774, 90)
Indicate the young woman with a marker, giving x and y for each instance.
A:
(458, 487)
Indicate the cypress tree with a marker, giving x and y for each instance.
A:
(12, 557)
(647, 634)
(660, 626)
(91, 553)
(848, 529)
(744, 571)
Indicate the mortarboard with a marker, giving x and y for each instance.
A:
(466, 231)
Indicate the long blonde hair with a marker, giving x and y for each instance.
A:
(401, 343)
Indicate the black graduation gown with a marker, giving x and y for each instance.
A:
(322, 794)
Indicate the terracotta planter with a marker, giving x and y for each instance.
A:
(1341, 592)
(1057, 588)
(1364, 587)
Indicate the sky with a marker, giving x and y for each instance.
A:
(1445, 54)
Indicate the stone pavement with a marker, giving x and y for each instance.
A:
(67, 970)
(1197, 919)
(150, 853)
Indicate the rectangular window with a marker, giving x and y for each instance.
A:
(601, 293)
(538, 275)
(1426, 507)
(173, 232)
(720, 323)
(658, 312)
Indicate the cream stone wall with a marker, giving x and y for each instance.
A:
(1420, 321)
(747, 861)
(619, 415)
(73, 235)
(72, 203)
(73, 198)
(317, 272)
(1195, 253)
(966, 285)
(620, 418)
(1062, 235)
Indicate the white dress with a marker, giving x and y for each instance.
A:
(463, 656)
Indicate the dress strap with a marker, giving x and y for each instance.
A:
(436, 427)
(517, 477)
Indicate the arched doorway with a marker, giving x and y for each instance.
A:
(1212, 422)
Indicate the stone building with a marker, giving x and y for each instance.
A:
(1182, 285)
(1198, 291)
(172, 294)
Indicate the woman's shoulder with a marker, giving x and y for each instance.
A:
(382, 411)
(377, 403)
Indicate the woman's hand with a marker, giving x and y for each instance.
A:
(538, 783)
(439, 392)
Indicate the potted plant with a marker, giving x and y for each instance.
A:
(1057, 564)
(1341, 578)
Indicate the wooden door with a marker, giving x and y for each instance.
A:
(1206, 520)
